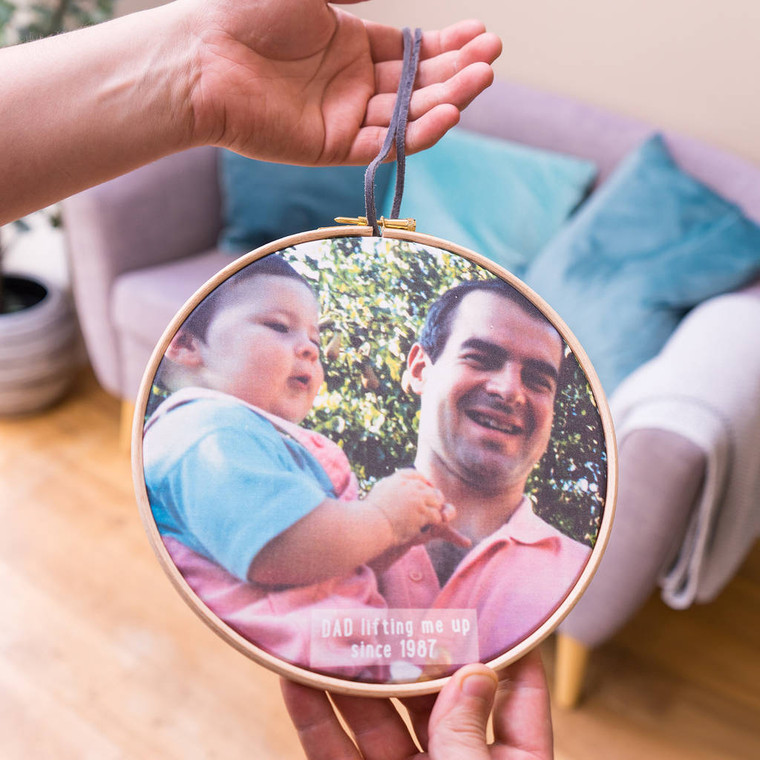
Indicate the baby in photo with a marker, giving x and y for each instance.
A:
(261, 516)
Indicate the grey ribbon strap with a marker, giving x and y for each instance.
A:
(396, 132)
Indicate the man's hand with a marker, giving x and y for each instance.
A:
(301, 81)
(451, 726)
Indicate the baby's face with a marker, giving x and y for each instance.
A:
(264, 347)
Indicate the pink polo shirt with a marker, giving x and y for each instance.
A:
(279, 621)
(515, 579)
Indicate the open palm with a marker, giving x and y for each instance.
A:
(313, 84)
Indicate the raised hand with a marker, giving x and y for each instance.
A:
(301, 81)
(295, 81)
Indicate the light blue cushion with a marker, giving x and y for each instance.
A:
(500, 199)
(262, 201)
(649, 245)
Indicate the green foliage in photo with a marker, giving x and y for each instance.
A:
(569, 484)
(374, 296)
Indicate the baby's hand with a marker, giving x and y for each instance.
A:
(410, 503)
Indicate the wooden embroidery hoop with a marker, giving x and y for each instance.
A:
(302, 674)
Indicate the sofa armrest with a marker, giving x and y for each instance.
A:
(161, 212)
(661, 475)
(705, 386)
(688, 430)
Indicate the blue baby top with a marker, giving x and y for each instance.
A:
(224, 481)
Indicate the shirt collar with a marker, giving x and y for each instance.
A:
(525, 526)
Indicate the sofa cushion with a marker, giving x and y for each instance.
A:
(649, 245)
(262, 201)
(500, 199)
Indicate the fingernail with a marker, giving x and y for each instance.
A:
(479, 685)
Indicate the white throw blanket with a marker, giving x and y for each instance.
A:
(705, 386)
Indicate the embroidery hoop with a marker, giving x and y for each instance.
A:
(303, 673)
(402, 231)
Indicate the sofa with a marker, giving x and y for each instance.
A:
(687, 420)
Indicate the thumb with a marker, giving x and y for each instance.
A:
(459, 720)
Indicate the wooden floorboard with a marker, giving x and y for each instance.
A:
(100, 658)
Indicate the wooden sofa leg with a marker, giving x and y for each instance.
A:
(125, 429)
(571, 659)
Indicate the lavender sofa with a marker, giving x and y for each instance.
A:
(688, 427)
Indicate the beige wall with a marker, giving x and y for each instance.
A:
(691, 65)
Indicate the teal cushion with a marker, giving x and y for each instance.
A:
(500, 199)
(262, 201)
(649, 245)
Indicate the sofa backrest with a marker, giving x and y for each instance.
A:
(161, 212)
(554, 122)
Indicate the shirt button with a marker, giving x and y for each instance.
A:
(415, 575)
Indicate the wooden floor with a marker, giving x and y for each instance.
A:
(99, 657)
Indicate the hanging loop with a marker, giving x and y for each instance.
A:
(396, 132)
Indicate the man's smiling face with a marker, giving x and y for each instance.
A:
(487, 401)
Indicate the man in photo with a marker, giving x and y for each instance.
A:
(486, 369)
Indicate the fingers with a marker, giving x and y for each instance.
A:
(420, 134)
(435, 496)
(454, 70)
(457, 723)
(433, 110)
(484, 48)
(522, 717)
(386, 42)
(443, 530)
(448, 533)
(432, 508)
(448, 512)
(460, 716)
(318, 728)
(452, 37)
(428, 129)
(378, 729)
(458, 91)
